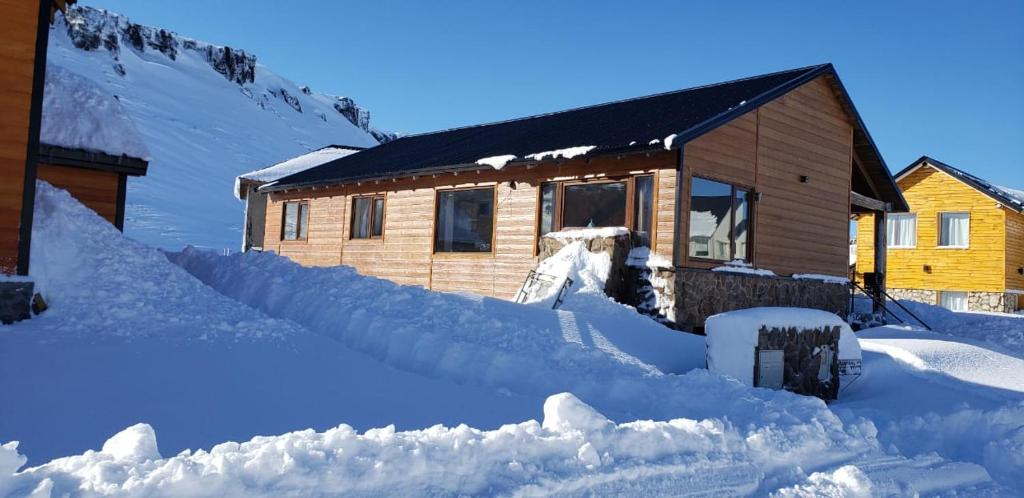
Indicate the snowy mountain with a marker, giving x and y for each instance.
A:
(206, 113)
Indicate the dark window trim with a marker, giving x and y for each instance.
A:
(494, 223)
(373, 208)
(284, 215)
(748, 257)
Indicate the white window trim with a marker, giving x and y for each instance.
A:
(888, 244)
(938, 242)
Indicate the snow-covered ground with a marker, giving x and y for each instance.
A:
(201, 128)
(258, 345)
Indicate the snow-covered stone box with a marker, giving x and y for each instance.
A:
(800, 350)
(15, 299)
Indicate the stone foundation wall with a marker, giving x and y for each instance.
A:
(976, 301)
(700, 294)
(802, 366)
(15, 301)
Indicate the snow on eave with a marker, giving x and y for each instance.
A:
(1014, 196)
(565, 153)
(78, 115)
(496, 162)
(270, 174)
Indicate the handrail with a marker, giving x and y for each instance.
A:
(886, 309)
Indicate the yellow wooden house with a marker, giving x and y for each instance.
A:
(961, 245)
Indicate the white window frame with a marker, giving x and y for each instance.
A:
(892, 217)
(938, 243)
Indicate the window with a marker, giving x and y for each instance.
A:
(296, 216)
(367, 218)
(719, 221)
(901, 230)
(465, 220)
(588, 205)
(643, 192)
(954, 229)
(547, 208)
(955, 301)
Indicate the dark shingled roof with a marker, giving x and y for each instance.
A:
(616, 127)
(1009, 199)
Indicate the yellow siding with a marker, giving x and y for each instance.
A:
(1014, 251)
(981, 267)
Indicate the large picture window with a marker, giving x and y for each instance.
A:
(588, 205)
(954, 230)
(719, 221)
(296, 217)
(367, 217)
(901, 230)
(465, 220)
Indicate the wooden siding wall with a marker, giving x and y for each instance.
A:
(17, 59)
(96, 189)
(798, 227)
(405, 252)
(1014, 251)
(981, 267)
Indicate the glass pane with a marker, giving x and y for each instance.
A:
(594, 205)
(711, 205)
(378, 217)
(954, 229)
(643, 205)
(303, 220)
(956, 301)
(741, 224)
(901, 230)
(465, 220)
(547, 208)
(291, 217)
(361, 218)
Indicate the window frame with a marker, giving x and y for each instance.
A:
(966, 295)
(630, 213)
(284, 221)
(494, 223)
(373, 198)
(890, 217)
(938, 233)
(734, 187)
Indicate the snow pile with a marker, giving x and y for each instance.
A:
(130, 337)
(588, 272)
(732, 336)
(668, 141)
(294, 165)
(1003, 331)
(77, 114)
(642, 257)
(566, 153)
(739, 266)
(205, 113)
(829, 279)
(566, 236)
(844, 482)
(496, 162)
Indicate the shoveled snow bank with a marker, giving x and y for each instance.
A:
(130, 337)
(78, 115)
(732, 336)
(574, 451)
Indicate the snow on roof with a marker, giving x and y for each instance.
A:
(77, 114)
(1014, 194)
(294, 165)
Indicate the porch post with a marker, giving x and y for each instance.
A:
(880, 260)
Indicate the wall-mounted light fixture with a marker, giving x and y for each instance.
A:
(805, 179)
(927, 268)
(1020, 270)
(757, 196)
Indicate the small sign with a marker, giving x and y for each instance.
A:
(849, 367)
(769, 368)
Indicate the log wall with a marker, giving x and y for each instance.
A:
(96, 189)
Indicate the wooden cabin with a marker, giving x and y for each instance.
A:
(764, 170)
(961, 245)
(247, 185)
(98, 180)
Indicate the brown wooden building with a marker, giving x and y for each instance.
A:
(766, 170)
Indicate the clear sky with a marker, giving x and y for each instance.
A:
(940, 78)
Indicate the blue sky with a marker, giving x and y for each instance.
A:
(938, 78)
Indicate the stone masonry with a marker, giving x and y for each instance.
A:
(976, 301)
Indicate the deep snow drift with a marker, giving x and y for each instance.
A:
(205, 113)
(132, 338)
